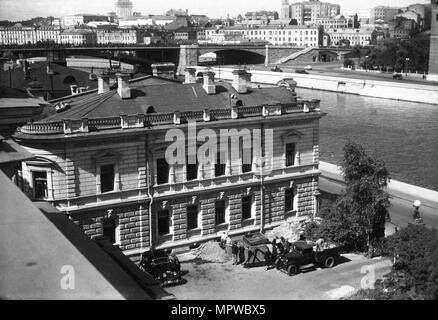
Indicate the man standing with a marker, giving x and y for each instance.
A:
(234, 252)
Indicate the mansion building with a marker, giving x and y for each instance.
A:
(100, 159)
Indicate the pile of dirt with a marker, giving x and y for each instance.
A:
(290, 230)
(212, 252)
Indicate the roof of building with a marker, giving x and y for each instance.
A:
(10, 151)
(40, 246)
(165, 96)
(38, 72)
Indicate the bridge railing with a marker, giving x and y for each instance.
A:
(73, 126)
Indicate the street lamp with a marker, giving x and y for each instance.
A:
(406, 66)
(366, 63)
(416, 215)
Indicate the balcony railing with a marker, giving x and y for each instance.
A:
(149, 120)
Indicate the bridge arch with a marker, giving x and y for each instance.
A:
(238, 56)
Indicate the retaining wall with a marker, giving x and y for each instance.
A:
(378, 89)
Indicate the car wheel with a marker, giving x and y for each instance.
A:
(292, 270)
(329, 262)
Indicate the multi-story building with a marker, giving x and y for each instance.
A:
(48, 34)
(262, 15)
(17, 35)
(423, 10)
(124, 8)
(433, 56)
(302, 36)
(361, 36)
(184, 34)
(119, 36)
(382, 14)
(337, 22)
(80, 19)
(308, 11)
(78, 37)
(285, 10)
(102, 159)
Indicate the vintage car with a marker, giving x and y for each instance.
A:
(397, 76)
(158, 264)
(305, 256)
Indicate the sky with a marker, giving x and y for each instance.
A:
(24, 9)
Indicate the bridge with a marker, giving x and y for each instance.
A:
(186, 55)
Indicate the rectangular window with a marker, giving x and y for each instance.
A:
(219, 168)
(40, 184)
(219, 208)
(246, 160)
(192, 217)
(289, 200)
(192, 170)
(163, 222)
(162, 171)
(109, 229)
(107, 178)
(290, 154)
(246, 207)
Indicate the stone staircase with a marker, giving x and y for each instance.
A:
(295, 55)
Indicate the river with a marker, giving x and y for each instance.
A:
(403, 134)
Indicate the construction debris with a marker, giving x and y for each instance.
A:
(212, 252)
(290, 230)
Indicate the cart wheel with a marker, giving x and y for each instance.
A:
(292, 270)
(329, 262)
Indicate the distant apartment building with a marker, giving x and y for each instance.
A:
(185, 34)
(409, 15)
(337, 22)
(424, 11)
(124, 8)
(80, 19)
(361, 36)
(48, 34)
(17, 35)
(308, 11)
(261, 15)
(177, 12)
(119, 36)
(301, 36)
(78, 37)
(382, 14)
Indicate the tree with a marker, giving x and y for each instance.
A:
(414, 274)
(348, 63)
(358, 217)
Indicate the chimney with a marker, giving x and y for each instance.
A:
(241, 80)
(123, 88)
(209, 85)
(103, 84)
(190, 74)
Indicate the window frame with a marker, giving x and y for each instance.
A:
(104, 158)
(168, 222)
(250, 208)
(196, 218)
(224, 212)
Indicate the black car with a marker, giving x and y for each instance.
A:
(162, 267)
(397, 76)
(301, 71)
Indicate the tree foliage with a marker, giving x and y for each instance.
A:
(357, 219)
(414, 274)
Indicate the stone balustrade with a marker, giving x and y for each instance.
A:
(84, 125)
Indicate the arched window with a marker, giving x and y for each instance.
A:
(69, 80)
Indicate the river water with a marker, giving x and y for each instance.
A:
(403, 134)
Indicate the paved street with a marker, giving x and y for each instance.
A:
(401, 209)
(225, 281)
